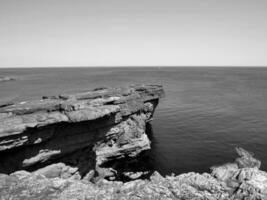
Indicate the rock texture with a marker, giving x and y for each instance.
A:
(227, 182)
(68, 147)
(81, 131)
(6, 78)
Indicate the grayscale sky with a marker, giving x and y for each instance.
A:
(40, 33)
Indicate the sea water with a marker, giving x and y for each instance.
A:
(205, 114)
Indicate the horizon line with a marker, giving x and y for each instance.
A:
(139, 66)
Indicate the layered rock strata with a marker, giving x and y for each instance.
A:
(61, 147)
(77, 132)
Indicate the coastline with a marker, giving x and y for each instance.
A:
(38, 138)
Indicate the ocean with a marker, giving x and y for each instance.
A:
(205, 114)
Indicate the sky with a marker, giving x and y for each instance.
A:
(46, 33)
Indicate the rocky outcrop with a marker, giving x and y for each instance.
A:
(227, 182)
(80, 131)
(72, 146)
(242, 179)
(6, 78)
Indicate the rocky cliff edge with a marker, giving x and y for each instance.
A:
(82, 131)
(66, 142)
(240, 180)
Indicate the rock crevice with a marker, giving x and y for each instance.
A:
(82, 130)
(230, 181)
(72, 146)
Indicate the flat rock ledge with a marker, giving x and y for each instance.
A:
(66, 147)
(81, 131)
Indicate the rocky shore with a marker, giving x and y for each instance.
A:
(84, 132)
(240, 180)
(70, 146)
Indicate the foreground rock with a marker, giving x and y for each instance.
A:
(228, 182)
(81, 131)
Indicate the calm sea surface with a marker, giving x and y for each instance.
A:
(205, 114)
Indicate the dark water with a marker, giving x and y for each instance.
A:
(205, 114)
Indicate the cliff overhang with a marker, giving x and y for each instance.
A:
(67, 146)
(81, 131)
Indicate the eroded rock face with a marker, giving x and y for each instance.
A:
(82, 131)
(243, 177)
(72, 147)
(227, 182)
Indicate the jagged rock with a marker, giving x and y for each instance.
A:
(243, 177)
(72, 140)
(191, 186)
(246, 159)
(251, 185)
(21, 174)
(135, 175)
(225, 171)
(89, 176)
(59, 170)
(107, 124)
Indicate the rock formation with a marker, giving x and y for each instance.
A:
(67, 146)
(80, 131)
(6, 78)
(227, 182)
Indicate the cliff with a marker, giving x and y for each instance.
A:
(80, 131)
(68, 147)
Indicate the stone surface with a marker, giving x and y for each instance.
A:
(82, 130)
(250, 184)
(6, 78)
(73, 146)
(246, 159)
